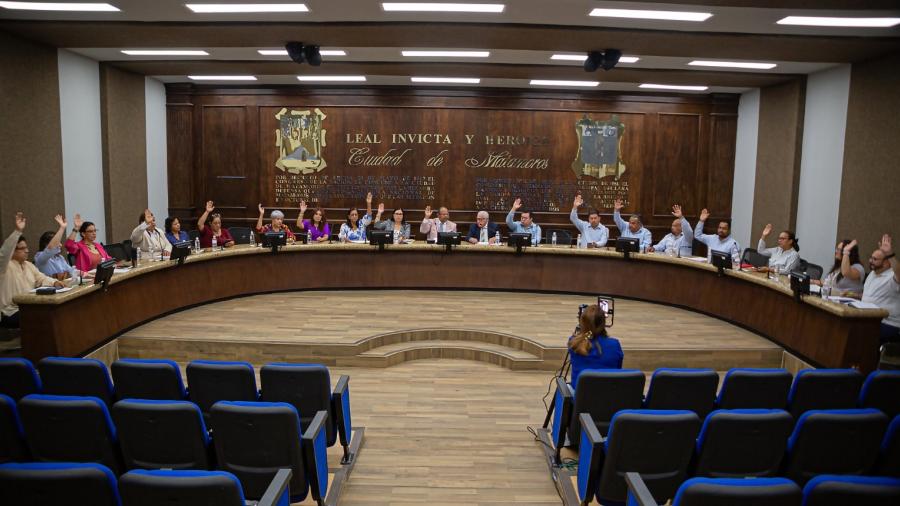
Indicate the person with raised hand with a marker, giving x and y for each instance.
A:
(847, 274)
(17, 274)
(525, 225)
(633, 228)
(276, 223)
(50, 258)
(317, 228)
(148, 237)
(354, 229)
(593, 233)
(680, 240)
(882, 288)
(431, 227)
(88, 252)
(397, 224)
(721, 241)
(213, 228)
(783, 257)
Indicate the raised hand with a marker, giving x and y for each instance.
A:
(849, 247)
(77, 221)
(210, 206)
(381, 208)
(579, 200)
(427, 212)
(262, 210)
(885, 245)
(20, 221)
(369, 198)
(147, 215)
(302, 207)
(767, 230)
(704, 214)
(517, 204)
(676, 211)
(619, 204)
(60, 220)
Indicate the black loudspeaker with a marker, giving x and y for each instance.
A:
(606, 59)
(295, 51)
(313, 56)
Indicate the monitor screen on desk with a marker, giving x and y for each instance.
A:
(628, 245)
(519, 240)
(799, 282)
(180, 251)
(272, 239)
(449, 238)
(381, 237)
(104, 272)
(720, 260)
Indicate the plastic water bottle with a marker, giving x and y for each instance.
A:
(197, 245)
(139, 256)
(497, 238)
(577, 243)
(252, 240)
(553, 239)
(214, 243)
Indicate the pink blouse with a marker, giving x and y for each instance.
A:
(84, 259)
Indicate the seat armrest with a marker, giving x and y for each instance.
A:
(315, 456)
(563, 402)
(638, 493)
(340, 406)
(278, 489)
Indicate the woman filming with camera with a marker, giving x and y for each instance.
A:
(591, 347)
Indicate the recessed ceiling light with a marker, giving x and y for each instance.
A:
(164, 52)
(235, 8)
(733, 64)
(283, 52)
(223, 78)
(450, 54)
(441, 7)
(547, 82)
(458, 80)
(673, 87)
(582, 57)
(59, 6)
(651, 14)
(835, 21)
(331, 78)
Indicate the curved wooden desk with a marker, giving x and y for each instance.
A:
(824, 333)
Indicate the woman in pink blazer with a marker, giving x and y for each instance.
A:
(87, 252)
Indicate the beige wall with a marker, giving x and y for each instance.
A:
(870, 185)
(31, 178)
(778, 156)
(123, 128)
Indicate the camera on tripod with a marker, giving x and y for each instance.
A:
(607, 304)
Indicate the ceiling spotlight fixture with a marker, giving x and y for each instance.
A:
(550, 82)
(59, 6)
(441, 7)
(733, 64)
(839, 22)
(304, 53)
(164, 52)
(456, 80)
(582, 57)
(222, 78)
(606, 59)
(673, 87)
(331, 78)
(651, 14)
(245, 8)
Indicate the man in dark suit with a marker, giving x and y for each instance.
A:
(483, 231)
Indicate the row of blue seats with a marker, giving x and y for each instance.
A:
(823, 490)
(251, 439)
(40, 484)
(306, 386)
(666, 446)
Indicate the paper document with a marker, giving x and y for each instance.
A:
(58, 290)
(863, 305)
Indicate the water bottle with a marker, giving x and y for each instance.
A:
(252, 240)
(553, 239)
(139, 256)
(396, 237)
(214, 243)
(196, 245)
(577, 244)
(497, 238)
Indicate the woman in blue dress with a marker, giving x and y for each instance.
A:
(591, 347)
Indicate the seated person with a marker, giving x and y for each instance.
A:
(722, 240)
(88, 253)
(525, 225)
(354, 229)
(590, 347)
(174, 234)
(50, 260)
(882, 288)
(397, 224)
(276, 224)
(213, 229)
(785, 256)
(149, 238)
(483, 231)
(633, 228)
(680, 241)
(317, 228)
(847, 274)
(431, 227)
(593, 234)
(17, 274)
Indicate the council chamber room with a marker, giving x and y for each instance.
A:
(561, 252)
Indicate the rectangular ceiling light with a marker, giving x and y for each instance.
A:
(283, 52)
(835, 21)
(733, 64)
(546, 82)
(651, 14)
(164, 52)
(448, 54)
(331, 78)
(673, 87)
(441, 7)
(582, 57)
(456, 80)
(59, 6)
(245, 8)
(222, 78)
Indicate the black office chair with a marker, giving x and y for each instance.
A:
(241, 235)
(117, 251)
(148, 379)
(18, 378)
(162, 435)
(880, 392)
(690, 389)
(12, 437)
(76, 376)
(193, 235)
(754, 389)
(43, 483)
(824, 389)
(740, 443)
(720, 491)
(834, 490)
(563, 237)
(128, 247)
(753, 257)
(211, 381)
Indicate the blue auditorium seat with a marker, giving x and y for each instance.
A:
(889, 454)
(61, 428)
(57, 483)
(742, 442)
(18, 378)
(690, 389)
(195, 488)
(754, 389)
(211, 381)
(834, 490)
(148, 379)
(720, 492)
(162, 435)
(308, 388)
(12, 437)
(255, 439)
(880, 392)
(837, 441)
(657, 444)
(601, 393)
(824, 389)
(84, 377)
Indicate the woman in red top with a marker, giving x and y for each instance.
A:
(277, 224)
(213, 229)
(88, 254)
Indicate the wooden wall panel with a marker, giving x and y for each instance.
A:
(180, 160)
(224, 147)
(676, 173)
(721, 143)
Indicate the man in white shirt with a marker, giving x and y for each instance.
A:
(680, 241)
(633, 228)
(882, 288)
(721, 241)
(17, 274)
(431, 227)
(593, 234)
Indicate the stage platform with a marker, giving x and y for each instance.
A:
(381, 328)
